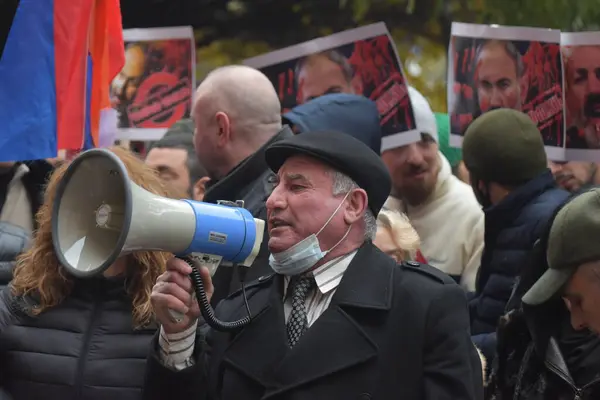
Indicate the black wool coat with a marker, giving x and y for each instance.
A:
(391, 332)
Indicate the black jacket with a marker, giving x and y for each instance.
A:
(249, 181)
(540, 355)
(544, 360)
(83, 349)
(511, 229)
(390, 332)
(13, 241)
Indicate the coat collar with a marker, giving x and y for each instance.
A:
(512, 205)
(244, 174)
(340, 336)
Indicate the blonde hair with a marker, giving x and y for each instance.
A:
(39, 272)
(403, 234)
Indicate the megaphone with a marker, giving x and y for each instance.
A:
(99, 214)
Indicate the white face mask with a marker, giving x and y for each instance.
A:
(305, 254)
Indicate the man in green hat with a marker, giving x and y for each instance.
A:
(573, 256)
(504, 153)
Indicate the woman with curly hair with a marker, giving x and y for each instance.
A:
(79, 339)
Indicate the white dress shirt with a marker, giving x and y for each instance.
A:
(176, 350)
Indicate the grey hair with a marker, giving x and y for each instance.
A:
(510, 49)
(342, 184)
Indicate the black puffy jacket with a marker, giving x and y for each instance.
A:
(13, 241)
(511, 229)
(83, 349)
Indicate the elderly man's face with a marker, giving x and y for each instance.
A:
(321, 76)
(301, 203)
(582, 297)
(497, 82)
(583, 77)
(414, 169)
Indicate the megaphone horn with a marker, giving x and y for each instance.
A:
(99, 214)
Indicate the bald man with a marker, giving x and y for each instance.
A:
(237, 114)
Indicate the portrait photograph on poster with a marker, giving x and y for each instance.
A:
(155, 87)
(581, 59)
(494, 66)
(361, 61)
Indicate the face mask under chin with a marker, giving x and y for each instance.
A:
(302, 256)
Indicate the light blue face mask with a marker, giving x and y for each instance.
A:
(305, 254)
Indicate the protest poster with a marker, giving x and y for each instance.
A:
(581, 60)
(358, 61)
(154, 90)
(493, 66)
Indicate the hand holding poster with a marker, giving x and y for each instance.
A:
(506, 67)
(359, 61)
(154, 89)
(581, 58)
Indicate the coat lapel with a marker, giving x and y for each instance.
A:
(261, 345)
(339, 339)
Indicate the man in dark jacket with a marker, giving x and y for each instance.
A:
(504, 153)
(541, 356)
(237, 114)
(338, 319)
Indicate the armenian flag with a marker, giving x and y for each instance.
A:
(55, 71)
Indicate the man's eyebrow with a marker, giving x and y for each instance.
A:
(296, 177)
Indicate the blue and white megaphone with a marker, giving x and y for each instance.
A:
(99, 215)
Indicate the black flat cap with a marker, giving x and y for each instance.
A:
(343, 153)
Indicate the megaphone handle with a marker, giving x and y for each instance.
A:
(205, 308)
(178, 316)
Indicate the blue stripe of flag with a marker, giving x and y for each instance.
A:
(27, 85)
(88, 142)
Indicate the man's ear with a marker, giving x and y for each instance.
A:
(200, 188)
(357, 206)
(224, 127)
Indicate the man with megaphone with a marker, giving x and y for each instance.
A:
(337, 318)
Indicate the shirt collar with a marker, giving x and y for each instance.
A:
(329, 275)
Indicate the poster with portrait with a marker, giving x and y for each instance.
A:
(154, 90)
(495, 66)
(358, 61)
(581, 60)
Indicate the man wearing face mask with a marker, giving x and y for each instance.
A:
(338, 319)
(504, 153)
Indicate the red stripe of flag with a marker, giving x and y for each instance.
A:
(108, 56)
(71, 32)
